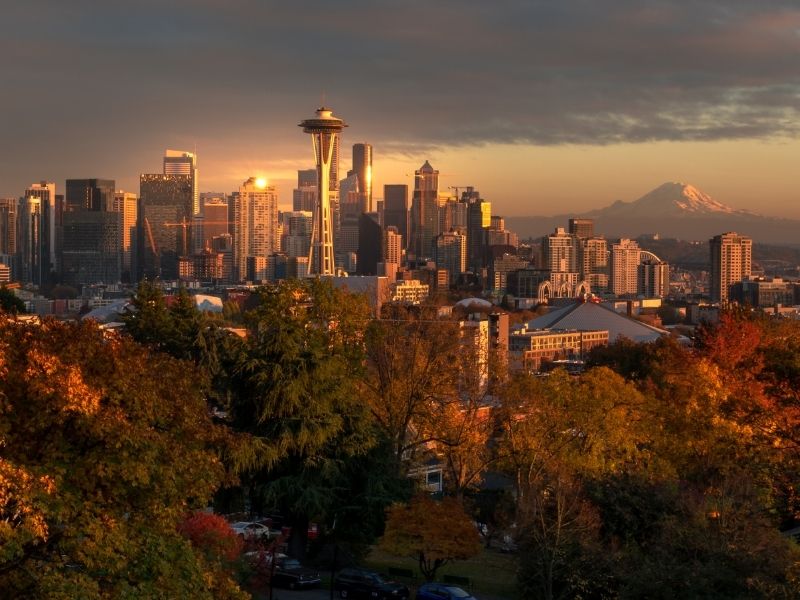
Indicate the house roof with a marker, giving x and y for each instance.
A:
(591, 316)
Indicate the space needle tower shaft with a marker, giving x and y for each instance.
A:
(324, 128)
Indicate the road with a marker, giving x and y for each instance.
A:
(314, 594)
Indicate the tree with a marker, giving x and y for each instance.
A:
(9, 302)
(411, 371)
(296, 391)
(432, 532)
(103, 448)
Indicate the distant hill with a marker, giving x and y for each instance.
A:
(673, 210)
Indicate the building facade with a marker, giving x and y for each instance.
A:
(256, 226)
(731, 261)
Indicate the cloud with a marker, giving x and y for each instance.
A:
(84, 77)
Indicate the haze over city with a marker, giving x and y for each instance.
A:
(546, 108)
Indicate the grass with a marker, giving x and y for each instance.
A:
(493, 574)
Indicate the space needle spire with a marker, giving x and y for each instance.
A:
(324, 129)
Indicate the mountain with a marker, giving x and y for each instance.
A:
(672, 210)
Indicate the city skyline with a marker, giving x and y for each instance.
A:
(628, 96)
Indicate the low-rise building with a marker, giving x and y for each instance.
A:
(528, 349)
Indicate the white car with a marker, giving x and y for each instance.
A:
(250, 530)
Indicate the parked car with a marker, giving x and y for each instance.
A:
(442, 591)
(363, 584)
(249, 530)
(291, 574)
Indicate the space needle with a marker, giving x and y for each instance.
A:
(324, 128)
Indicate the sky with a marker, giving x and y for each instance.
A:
(545, 107)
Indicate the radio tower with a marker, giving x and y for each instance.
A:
(323, 129)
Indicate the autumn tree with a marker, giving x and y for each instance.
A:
(103, 448)
(411, 370)
(433, 532)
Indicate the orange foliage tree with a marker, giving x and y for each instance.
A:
(432, 532)
(103, 448)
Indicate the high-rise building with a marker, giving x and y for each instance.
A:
(92, 248)
(127, 204)
(352, 205)
(424, 212)
(165, 224)
(297, 228)
(325, 130)
(731, 261)
(479, 218)
(593, 262)
(362, 167)
(392, 246)
(583, 228)
(89, 194)
(37, 235)
(624, 265)
(304, 197)
(653, 279)
(395, 208)
(256, 226)
(451, 254)
(370, 247)
(560, 252)
(214, 208)
(181, 162)
(8, 233)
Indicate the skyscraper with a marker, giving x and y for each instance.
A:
(165, 224)
(255, 223)
(296, 238)
(451, 254)
(325, 130)
(362, 167)
(180, 162)
(731, 261)
(304, 197)
(127, 205)
(45, 236)
(479, 218)
(370, 244)
(424, 212)
(8, 231)
(89, 194)
(624, 265)
(395, 208)
(653, 279)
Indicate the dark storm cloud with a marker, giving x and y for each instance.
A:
(80, 78)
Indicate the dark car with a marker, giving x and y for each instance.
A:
(360, 583)
(442, 591)
(291, 574)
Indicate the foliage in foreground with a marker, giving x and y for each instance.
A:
(99, 462)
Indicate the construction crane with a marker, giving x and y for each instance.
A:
(153, 247)
(458, 187)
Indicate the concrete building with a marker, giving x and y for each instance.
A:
(256, 227)
(764, 292)
(653, 279)
(731, 261)
(624, 264)
(582, 228)
(451, 254)
(411, 291)
(530, 348)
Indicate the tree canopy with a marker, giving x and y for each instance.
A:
(103, 448)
